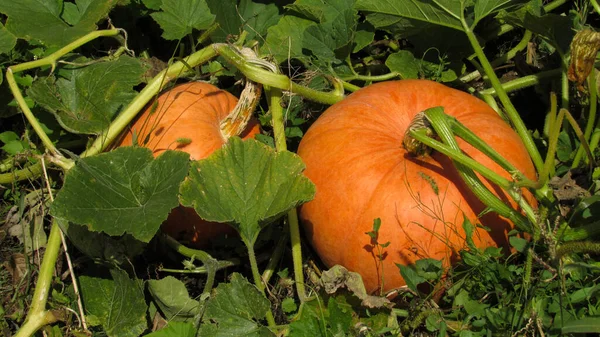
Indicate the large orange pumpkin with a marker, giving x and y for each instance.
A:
(187, 118)
(354, 155)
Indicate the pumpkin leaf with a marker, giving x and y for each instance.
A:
(246, 184)
(235, 16)
(118, 303)
(45, 21)
(178, 18)
(484, 8)
(175, 329)
(584, 325)
(7, 40)
(173, 299)
(440, 12)
(285, 39)
(235, 309)
(87, 98)
(123, 191)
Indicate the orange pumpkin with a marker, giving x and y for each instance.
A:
(187, 118)
(354, 155)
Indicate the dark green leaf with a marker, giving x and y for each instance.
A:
(440, 12)
(123, 191)
(518, 243)
(7, 40)
(584, 325)
(173, 299)
(555, 28)
(178, 18)
(308, 325)
(411, 277)
(484, 8)
(88, 99)
(288, 305)
(175, 329)
(234, 17)
(41, 19)
(100, 246)
(404, 63)
(247, 185)
(235, 309)
(285, 39)
(340, 317)
(118, 303)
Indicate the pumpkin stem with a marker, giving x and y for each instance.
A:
(235, 123)
(420, 124)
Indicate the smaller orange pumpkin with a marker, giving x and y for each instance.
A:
(188, 118)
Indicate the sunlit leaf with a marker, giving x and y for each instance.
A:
(88, 97)
(178, 18)
(246, 184)
(42, 19)
(173, 299)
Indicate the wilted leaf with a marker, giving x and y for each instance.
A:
(42, 19)
(247, 185)
(118, 303)
(88, 99)
(178, 18)
(339, 277)
(584, 50)
(235, 309)
(123, 191)
(173, 299)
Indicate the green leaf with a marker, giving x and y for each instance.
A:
(123, 191)
(118, 303)
(363, 36)
(9, 136)
(89, 97)
(336, 31)
(175, 329)
(518, 243)
(584, 325)
(173, 299)
(404, 63)
(100, 246)
(246, 184)
(307, 325)
(235, 309)
(7, 40)
(440, 12)
(484, 8)
(41, 19)
(288, 305)
(340, 317)
(179, 17)
(556, 29)
(285, 39)
(233, 18)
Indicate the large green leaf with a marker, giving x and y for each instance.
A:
(178, 18)
(440, 12)
(173, 299)
(584, 325)
(175, 329)
(7, 40)
(87, 99)
(284, 40)
(235, 309)
(43, 19)
(123, 191)
(246, 184)
(556, 29)
(484, 8)
(235, 16)
(118, 303)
